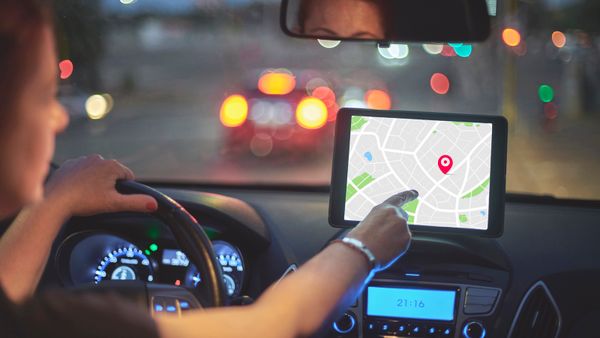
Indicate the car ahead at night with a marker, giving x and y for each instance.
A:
(508, 85)
(285, 113)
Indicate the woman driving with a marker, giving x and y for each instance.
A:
(30, 118)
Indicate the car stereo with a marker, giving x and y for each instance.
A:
(457, 163)
(394, 308)
(411, 310)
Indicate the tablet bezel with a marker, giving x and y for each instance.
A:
(339, 172)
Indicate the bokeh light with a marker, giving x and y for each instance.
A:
(277, 82)
(394, 51)
(311, 113)
(261, 144)
(433, 49)
(353, 97)
(66, 68)
(329, 43)
(463, 50)
(378, 99)
(234, 111)
(314, 83)
(511, 37)
(447, 50)
(546, 93)
(327, 95)
(521, 49)
(559, 39)
(97, 106)
(440, 83)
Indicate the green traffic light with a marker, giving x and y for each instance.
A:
(153, 247)
(546, 93)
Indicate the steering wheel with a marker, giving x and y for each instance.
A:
(193, 241)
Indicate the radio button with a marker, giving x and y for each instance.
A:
(384, 328)
(416, 330)
(446, 332)
(345, 324)
(432, 331)
(402, 329)
(370, 326)
(474, 330)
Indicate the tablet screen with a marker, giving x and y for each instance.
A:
(447, 162)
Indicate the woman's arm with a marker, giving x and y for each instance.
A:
(25, 246)
(300, 304)
(80, 187)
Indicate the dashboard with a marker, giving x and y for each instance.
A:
(538, 280)
(96, 257)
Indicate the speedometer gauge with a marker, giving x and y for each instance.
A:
(125, 263)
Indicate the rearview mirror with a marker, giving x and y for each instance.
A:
(387, 20)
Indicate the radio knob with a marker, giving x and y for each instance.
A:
(345, 324)
(473, 330)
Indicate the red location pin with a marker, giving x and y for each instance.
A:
(445, 163)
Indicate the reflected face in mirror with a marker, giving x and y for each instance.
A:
(359, 19)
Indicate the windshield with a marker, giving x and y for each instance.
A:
(212, 91)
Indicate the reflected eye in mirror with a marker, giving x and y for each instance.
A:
(387, 20)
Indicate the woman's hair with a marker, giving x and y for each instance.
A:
(21, 27)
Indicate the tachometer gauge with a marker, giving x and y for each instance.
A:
(125, 263)
(232, 265)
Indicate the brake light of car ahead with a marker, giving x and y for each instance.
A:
(234, 111)
(311, 113)
(277, 83)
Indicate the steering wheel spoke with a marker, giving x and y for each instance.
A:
(170, 299)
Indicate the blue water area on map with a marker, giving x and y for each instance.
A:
(369, 156)
(482, 213)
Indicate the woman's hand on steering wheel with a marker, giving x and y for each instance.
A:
(86, 186)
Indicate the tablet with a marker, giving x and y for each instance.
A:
(457, 163)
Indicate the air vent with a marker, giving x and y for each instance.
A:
(538, 315)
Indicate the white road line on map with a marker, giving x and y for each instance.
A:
(387, 137)
(427, 137)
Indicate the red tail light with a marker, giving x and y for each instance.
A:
(311, 113)
(234, 111)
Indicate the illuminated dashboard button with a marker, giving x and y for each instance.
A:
(384, 328)
(171, 308)
(447, 332)
(474, 330)
(345, 324)
(416, 330)
(431, 331)
(370, 326)
(158, 308)
(402, 328)
(184, 305)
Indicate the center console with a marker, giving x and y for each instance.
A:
(394, 308)
(451, 288)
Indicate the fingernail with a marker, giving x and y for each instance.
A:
(151, 206)
(415, 192)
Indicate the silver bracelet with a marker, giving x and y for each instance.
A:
(361, 247)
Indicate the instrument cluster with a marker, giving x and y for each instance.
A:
(95, 258)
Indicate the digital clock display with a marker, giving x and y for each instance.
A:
(411, 303)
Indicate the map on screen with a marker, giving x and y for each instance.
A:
(448, 163)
